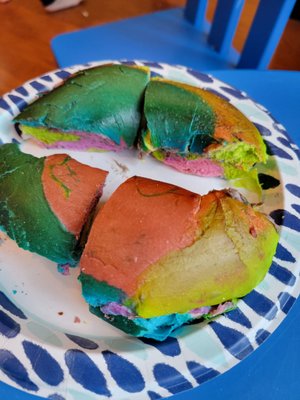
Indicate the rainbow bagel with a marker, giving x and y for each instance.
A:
(153, 262)
(95, 109)
(197, 132)
(114, 107)
(46, 203)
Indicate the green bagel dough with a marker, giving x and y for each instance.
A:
(102, 100)
(25, 214)
(185, 124)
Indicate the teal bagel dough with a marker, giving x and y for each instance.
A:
(105, 100)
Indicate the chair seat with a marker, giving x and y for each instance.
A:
(163, 36)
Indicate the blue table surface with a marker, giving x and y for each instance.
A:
(272, 372)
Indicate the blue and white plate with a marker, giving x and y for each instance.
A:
(50, 345)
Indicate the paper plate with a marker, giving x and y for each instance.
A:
(51, 346)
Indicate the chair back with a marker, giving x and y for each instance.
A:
(182, 36)
(263, 37)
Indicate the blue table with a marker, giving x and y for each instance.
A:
(272, 372)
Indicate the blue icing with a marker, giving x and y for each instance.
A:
(296, 207)
(159, 328)
(233, 340)
(43, 364)
(285, 218)
(217, 93)
(83, 342)
(5, 106)
(168, 347)
(234, 92)
(262, 129)
(55, 397)
(8, 327)
(236, 315)
(9, 306)
(153, 395)
(199, 75)
(126, 374)
(261, 336)
(286, 301)
(200, 372)
(282, 274)
(261, 304)
(97, 293)
(12, 367)
(278, 151)
(283, 254)
(63, 74)
(21, 90)
(294, 189)
(85, 372)
(18, 101)
(39, 86)
(170, 378)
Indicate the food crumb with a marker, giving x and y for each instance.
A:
(63, 269)
(77, 320)
(85, 14)
(122, 167)
(60, 313)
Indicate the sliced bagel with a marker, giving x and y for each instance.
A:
(198, 132)
(45, 203)
(95, 109)
(159, 256)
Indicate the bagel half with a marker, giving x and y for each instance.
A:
(159, 256)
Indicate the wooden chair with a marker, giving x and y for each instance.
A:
(182, 36)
